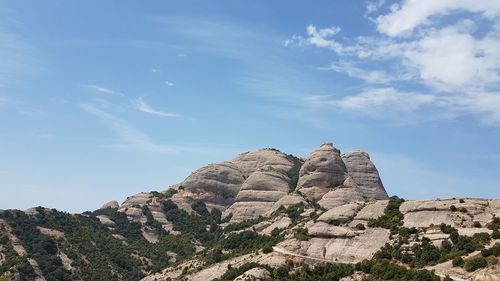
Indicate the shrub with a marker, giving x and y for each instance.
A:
(360, 226)
(463, 210)
(495, 234)
(493, 251)
(477, 224)
(392, 217)
(461, 201)
(475, 263)
(267, 249)
(458, 261)
(334, 222)
(302, 234)
(453, 208)
(200, 207)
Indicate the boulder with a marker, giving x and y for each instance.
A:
(111, 204)
(342, 214)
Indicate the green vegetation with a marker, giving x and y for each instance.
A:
(382, 269)
(243, 225)
(494, 224)
(457, 261)
(199, 207)
(302, 234)
(236, 244)
(203, 228)
(493, 251)
(321, 272)
(293, 212)
(392, 218)
(14, 263)
(95, 253)
(425, 253)
(475, 263)
(293, 173)
(360, 226)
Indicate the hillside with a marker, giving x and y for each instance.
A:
(263, 215)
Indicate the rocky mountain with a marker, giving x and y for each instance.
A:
(263, 215)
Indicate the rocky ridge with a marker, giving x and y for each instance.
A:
(321, 208)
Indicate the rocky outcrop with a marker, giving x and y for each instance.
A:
(253, 180)
(322, 171)
(455, 212)
(335, 179)
(215, 184)
(254, 274)
(111, 204)
(346, 247)
(364, 175)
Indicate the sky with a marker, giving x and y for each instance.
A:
(100, 100)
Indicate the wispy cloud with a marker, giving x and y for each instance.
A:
(132, 137)
(101, 89)
(5, 100)
(168, 83)
(18, 57)
(141, 105)
(155, 70)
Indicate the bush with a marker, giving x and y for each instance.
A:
(462, 210)
(495, 234)
(461, 201)
(453, 208)
(475, 263)
(458, 261)
(392, 217)
(302, 234)
(200, 207)
(493, 251)
(267, 249)
(360, 226)
(477, 224)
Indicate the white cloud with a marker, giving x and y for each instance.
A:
(141, 105)
(455, 61)
(372, 6)
(168, 83)
(378, 100)
(132, 137)
(155, 70)
(405, 17)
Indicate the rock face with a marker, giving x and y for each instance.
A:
(466, 211)
(323, 171)
(256, 183)
(335, 179)
(364, 174)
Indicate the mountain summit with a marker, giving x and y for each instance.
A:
(256, 183)
(264, 215)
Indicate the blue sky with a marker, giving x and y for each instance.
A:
(103, 99)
